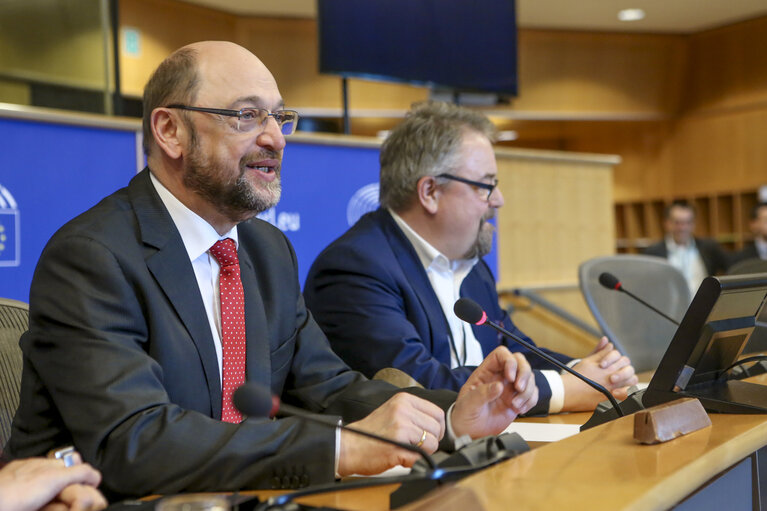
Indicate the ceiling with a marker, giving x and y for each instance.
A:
(662, 16)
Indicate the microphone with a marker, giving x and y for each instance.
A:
(610, 281)
(256, 400)
(470, 311)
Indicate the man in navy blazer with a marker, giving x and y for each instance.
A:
(383, 292)
(126, 343)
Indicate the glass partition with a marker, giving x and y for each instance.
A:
(56, 53)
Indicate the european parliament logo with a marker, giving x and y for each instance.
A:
(10, 249)
(363, 201)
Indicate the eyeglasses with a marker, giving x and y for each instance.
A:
(249, 119)
(479, 184)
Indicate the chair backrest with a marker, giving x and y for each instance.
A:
(752, 265)
(636, 331)
(14, 321)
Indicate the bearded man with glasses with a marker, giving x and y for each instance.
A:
(384, 292)
(150, 309)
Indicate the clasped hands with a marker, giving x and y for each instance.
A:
(499, 390)
(47, 484)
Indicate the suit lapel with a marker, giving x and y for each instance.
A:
(416, 276)
(258, 356)
(169, 263)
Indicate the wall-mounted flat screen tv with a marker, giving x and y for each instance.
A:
(460, 45)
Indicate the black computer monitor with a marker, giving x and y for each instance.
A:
(710, 338)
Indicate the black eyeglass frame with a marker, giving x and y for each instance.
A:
(479, 184)
(239, 113)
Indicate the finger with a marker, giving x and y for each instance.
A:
(432, 417)
(82, 474)
(521, 399)
(523, 373)
(83, 498)
(430, 442)
(493, 366)
(610, 358)
(406, 458)
(620, 393)
(423, 424)
(527, 405)
(624, 376)
(600, 345)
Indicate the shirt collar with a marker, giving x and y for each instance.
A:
(427, 254)
(197, 234)
(672, 246)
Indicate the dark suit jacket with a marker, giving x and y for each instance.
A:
(749, 251)
(714, 257)
(371, 296)
(119, 359)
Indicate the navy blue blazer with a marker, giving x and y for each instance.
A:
(371, 296)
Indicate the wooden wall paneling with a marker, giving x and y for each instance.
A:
(164, 26)
(646, 167)
(556, 215)
(599, 72)
(288, 47)
(728, 67)
(706, 213)
(708, 154)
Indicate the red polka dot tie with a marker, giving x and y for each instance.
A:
(232, 325)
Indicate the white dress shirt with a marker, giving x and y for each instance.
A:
(687, 259)
(446, 278)
(198, 236)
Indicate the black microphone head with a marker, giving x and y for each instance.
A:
(254, 400)
(469, 311)
(610, 281)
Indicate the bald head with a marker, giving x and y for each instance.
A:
(192, 73)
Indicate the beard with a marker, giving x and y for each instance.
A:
(236, 198)
(484, 242)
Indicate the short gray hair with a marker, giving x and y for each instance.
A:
(174, 81)
(426, 143)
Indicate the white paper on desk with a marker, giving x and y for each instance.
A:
(543, 432)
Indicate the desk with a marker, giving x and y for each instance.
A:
(602, 468)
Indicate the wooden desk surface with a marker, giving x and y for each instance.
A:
(601, 468)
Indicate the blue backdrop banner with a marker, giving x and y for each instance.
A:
(50, 173)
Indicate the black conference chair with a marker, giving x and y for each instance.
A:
(14, 320)
(636, 331)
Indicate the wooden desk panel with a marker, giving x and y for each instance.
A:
(603, 468)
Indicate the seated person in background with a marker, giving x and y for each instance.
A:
(696, 258)
(151, 308)
(757, 248)
(383, 293)
(48, 484)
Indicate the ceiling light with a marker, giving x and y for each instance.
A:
(631, 14)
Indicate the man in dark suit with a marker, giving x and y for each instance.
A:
(756, 249)
(696, 258)
(148, 310)
(383, 292)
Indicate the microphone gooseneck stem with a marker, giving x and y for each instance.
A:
(549, 358)
(635, 297)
